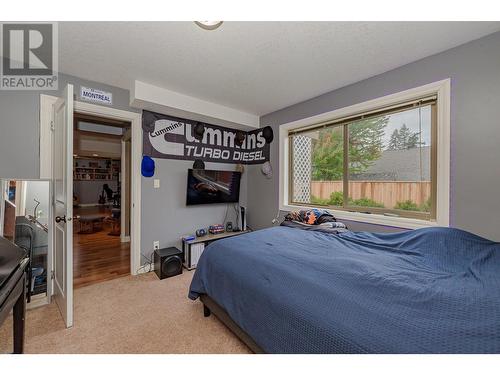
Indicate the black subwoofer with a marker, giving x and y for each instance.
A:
(168, 262)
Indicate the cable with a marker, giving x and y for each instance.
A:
(149, 262)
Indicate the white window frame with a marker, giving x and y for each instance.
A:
(442, 90)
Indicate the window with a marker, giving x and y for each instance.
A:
(382, 161)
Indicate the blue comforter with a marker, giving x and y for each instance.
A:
(433, 290)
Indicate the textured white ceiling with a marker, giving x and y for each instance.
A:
(256, 67)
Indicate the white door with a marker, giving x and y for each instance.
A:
(62, 190)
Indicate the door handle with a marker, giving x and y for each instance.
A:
(60, 218)
(64, 219)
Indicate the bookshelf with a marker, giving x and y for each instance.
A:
(88, 169)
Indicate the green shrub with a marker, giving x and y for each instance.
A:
(319, 201)
(407, 205)
(336, 199)
(426, 206)
(367, 202)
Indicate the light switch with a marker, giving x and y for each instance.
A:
(156, 183)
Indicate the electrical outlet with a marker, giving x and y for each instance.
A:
(156, 183)
(156, 245)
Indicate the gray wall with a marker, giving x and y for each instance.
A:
(88, 192)
(20, 126)
(474, 69)
(165, 216)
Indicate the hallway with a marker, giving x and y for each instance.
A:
(98, 256)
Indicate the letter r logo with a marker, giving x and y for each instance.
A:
(28, 49)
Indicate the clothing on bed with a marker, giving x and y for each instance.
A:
(432, 290)
(312, 217)
(334, 227)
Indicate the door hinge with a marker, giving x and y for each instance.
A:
(52, 275)
(52, 128)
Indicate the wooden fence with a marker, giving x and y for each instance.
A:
(386, 192)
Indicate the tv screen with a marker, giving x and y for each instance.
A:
(212, 187)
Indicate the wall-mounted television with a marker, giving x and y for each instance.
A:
(208, 186)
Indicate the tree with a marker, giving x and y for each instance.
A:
(365, 143)
(394, 141)
(365, 146)
(328, 155)
(404, 139)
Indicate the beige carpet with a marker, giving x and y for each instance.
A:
(133, 314)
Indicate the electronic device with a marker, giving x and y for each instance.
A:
(168, 262)
(188, 237)
(229, 226)
(192, 253)
(215, 229)
(201, 232)
(210, 186)
(242, 219)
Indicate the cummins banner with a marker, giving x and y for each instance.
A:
(170, 137)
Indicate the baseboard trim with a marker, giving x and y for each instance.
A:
(125, 238)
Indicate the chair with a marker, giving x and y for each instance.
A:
(23, 238)
(111, 196)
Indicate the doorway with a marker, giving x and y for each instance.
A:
(56, 164)
(101, 182)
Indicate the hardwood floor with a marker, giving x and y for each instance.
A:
(98, 256)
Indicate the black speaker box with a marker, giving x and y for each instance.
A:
(168, 262)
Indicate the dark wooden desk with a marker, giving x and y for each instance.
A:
(13, 264)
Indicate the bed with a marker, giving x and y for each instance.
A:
(286, 290)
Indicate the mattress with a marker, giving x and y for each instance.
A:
(432, 290)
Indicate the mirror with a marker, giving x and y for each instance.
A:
(24, 219)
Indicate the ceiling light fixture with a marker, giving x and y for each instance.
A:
(208, 25)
